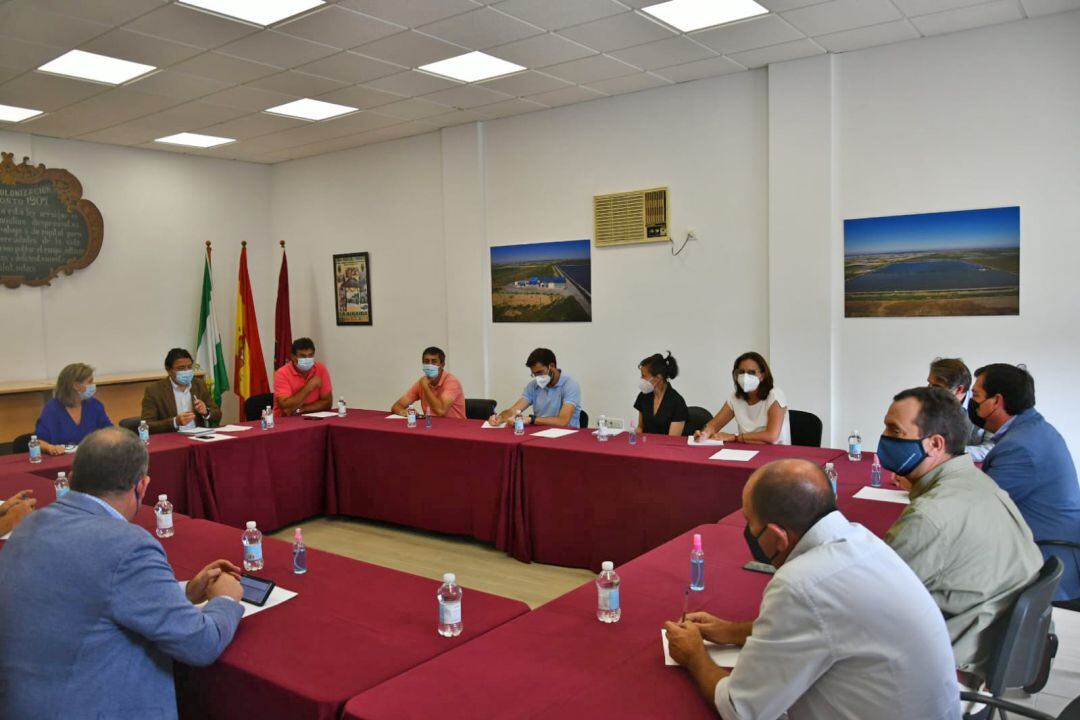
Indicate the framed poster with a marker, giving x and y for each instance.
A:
(541, 282)
(352, 288)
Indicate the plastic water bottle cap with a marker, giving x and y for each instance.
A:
(828, 466)
(607, 566)
(250, 524)
(33, 437)
(297, 535)
(697, 541)
(61, 474)
(449, 578)
(162, 498)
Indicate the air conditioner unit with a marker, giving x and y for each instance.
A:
(625, 218)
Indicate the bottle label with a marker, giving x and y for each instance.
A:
(449, 612)
(35, 454)
(144, 435)
(854, 448)
(61, 491)
(164, 520)
(253, 553)
(609, 598)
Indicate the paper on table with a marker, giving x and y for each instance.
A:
(722, 655)
(554, 433)
(232, 428)
(610, 432)
(701, 443)
(321, 415)
(734, 455)
(196, 431)
(489, 426)
(211, 438)
(395, 417)
(884, 495)
(277, 596)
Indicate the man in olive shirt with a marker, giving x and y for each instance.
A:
(961, 534)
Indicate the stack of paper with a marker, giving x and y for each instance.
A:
(554, 433)
(232, 428)
(884, 495)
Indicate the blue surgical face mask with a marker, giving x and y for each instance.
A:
(305, 364)
(184, 377)
(899, 455)
(89, 391)
(432, 371)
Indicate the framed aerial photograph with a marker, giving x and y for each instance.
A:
(352, 288)
(541, 282)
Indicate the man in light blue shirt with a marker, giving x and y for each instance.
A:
(555, 397)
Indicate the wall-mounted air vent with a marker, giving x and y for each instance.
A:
(624, 218)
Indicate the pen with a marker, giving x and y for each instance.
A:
(685, 605)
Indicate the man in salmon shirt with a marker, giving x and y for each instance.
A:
(303, 385)
(438, 391)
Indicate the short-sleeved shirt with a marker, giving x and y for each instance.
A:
(672, 410)
(288, 381)
(755, 418)
(448, 388)
(56, 427)
(548, 401)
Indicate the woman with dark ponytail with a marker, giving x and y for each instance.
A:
(661, 409)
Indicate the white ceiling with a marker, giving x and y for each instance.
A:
(217, 75)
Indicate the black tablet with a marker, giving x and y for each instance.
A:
(256, 589)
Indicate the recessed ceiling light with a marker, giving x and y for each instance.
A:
(690, 15)
(260, 12)
(471, 67)
(308, 109)
(10, 113)
(195, 140)
(99, 68)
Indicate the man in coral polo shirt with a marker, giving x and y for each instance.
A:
(303, 385)
(438, 391)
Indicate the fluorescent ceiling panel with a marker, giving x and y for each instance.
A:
(99, 68)
(690, 15)
(471, 67)
(260, 12)
(10, 113)
(195, 140)
(308, 109)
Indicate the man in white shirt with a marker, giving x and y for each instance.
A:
(846, 631)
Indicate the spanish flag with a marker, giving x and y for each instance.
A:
(249, 368)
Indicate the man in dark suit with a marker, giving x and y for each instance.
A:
(180, 401)
(91, 614)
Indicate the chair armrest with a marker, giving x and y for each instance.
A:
(1005, 705)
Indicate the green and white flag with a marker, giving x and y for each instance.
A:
(209, 355)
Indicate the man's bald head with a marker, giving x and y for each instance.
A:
(793, 494)
(108, 462)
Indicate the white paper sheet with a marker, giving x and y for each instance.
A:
(610, 432)
(212, 438)
(396, 417)
(321, 415)
(489, 426)
(702, 443)
(884, 495)
(722, 655)
(232, 428)
(554, 433)
(277, 596)
(734, 455)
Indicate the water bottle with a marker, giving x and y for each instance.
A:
(607, 588)
(854, 446)
(697, 565)
(449, 596)
(163, 515)
(269, 417)
(61, 484)
(35, 449)
(830, 472)
(262, 423)
(144, 432)
(410, 419)
(252, 539)
(875, 472)
(427, 419)
(341, 409)
(601, 429)
(631, 436)
(519, 423)
(299, 551)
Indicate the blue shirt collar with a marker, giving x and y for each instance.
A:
(1004, 428)
(111, 510)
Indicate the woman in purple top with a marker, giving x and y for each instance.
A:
(73, 413)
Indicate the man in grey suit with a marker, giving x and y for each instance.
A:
(91, 614)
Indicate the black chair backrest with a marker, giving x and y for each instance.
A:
(697, 416)
(131, 423)
(479, 408)
(255, 404)
(1020, 650)
(21, 444)
(805, 428)
(583, 421)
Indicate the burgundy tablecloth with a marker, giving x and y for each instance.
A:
(560, 662)
(585, 502)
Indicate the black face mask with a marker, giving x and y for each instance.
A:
(973, 414)
(755, 547)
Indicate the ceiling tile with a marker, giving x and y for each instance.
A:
(467, 96)
(457, 117)
(777, 53)
(108, 12)
(617, 32)
(33, 24)
(350, 67)
(628, 84)
(837, 15)
(1036, 8)
(884, 34)
(128, 45)
(359, 96)
(250, 126)
(300, 84)
(246, 97)
(413, 109)
(968, 18)
(340, 27)
(394, 132)
(566, 96)
(411, 13)
(410, 49)
(663, 53)
(178, 85)
(782, 5)
(480, 29)
(507, 108)
(925, 7)
(411, 83)
(8, 73)
(225, 67)
(525, 83)
(590, 69)
(541, 50)
(358, 122)
(109, 108)
(557, 14)
(700, 69)
(748, 34)
(186, 25)
(125, 134)
(187, 117)
(18, 55)
(273, 48)
(46, 92)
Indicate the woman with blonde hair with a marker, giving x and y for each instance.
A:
(73, 413)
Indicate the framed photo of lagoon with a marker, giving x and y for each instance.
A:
(965, 262)
(352, 288)
(542, 282)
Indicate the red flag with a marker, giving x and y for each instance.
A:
(249, 368)
(282, 323)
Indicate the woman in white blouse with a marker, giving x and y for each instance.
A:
(758, 408)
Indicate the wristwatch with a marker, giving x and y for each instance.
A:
(532, 419)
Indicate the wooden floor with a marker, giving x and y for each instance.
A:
(476, 565)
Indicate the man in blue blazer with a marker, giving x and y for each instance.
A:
(91, 614)
(1031, 462)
